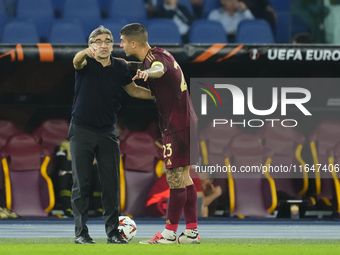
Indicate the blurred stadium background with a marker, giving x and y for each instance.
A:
(39, 38)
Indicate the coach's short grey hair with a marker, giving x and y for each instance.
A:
(99, 31)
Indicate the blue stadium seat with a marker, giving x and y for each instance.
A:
(58, 4)
(86, 11)
(207, 31)
(281, 5)
(163, 31)
(185, 3)
(19, 31)
(104, 4)
(209, 5)
(128, 11)
(283, 31)
(3, 15)
(64, 31)
(40, 12)
(2, 8)
(254, 31)
(114, 27)
(3, 20)
(9, 8)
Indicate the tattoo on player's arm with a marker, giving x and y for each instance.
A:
(175, 177)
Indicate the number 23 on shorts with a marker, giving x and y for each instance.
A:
(167, 151)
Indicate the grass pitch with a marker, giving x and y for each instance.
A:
(60, 246)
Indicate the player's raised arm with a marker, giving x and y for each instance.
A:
(154, 72)
(137, 91)
(79, 60)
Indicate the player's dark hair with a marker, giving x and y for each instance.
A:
(135, 32)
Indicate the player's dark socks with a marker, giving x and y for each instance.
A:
(175, 208)
(190, 208)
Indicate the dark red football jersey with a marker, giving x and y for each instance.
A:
(172, 97)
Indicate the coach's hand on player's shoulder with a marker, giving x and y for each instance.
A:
(126, 62)
(90, 51)
(141, 75)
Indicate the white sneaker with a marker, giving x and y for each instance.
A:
(159, 239)
(189, 236)
(9, 213)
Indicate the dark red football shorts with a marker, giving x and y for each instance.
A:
(181, 148)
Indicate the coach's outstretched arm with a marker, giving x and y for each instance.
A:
(79, 60)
